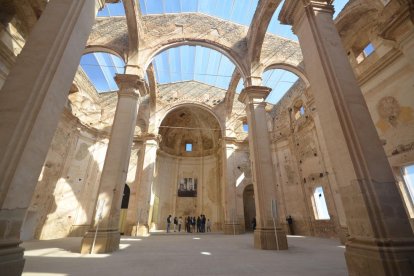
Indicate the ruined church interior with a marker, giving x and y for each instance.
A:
(288, 124)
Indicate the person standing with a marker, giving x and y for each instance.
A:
(289, 220)
(175, 224)
(203, 223)
(180, 221)
(208, 224)
(188, 224)
(254, 223)
(168, 223)
(193, 223)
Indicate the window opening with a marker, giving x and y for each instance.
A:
(300, 111)
(319, 204)
(367, 51)
(245, 127)
(188, 147)
(408, 175)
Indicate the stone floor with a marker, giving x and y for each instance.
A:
(187, 254)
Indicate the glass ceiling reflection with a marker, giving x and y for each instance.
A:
(194, 62)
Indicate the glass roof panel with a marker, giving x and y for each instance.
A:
(279, 80)
(101, 69)
(238, 11)
(193, 62)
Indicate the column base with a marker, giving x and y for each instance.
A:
(140, 231)
(380, 257)
(233, 229)
(11, 257)
(264, 238)
(106, 241)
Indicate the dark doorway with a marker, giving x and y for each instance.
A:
(249, 207)
(124, 209)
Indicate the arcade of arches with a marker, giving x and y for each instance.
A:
(335, 153)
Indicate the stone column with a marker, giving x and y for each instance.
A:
(231, 220)
(262, 169)
(381, 240)
(144, 188)
(31, 101)
(115, 168)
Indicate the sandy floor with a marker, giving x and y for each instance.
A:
(187, 254)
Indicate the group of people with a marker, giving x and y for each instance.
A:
(192, 224)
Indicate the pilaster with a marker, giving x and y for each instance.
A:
(232, 224)
(265, 235)
(146, 171)
(31, 102)
(114, 173)
(381, 241)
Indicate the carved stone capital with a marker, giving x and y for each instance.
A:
(293, 10)
(129, 85)
(254, 94)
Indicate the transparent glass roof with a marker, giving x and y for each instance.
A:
(194, 62)
(101, 69)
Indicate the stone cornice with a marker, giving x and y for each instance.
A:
(292, 10)
(130, 85)
(381, 64)
(254, 94)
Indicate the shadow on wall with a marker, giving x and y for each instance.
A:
(64, 199)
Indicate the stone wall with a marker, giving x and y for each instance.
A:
(64, 199)
(170, 170)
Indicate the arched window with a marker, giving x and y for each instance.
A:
(319, 204)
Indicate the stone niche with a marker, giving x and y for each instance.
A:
(189, 177)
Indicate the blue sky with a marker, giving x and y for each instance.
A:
(194, 62)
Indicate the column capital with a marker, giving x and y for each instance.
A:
(293, 10)
(254, 94)
(129, 85)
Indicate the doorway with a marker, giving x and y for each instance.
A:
(249, 207)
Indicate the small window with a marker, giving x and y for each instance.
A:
(367, 51)
(299, 112)
(245, 127)
(302, 110)
(319, 204)
(188, 147)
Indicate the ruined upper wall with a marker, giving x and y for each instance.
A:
(170, 30)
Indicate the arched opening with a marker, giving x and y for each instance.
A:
(249, 207)
(124, 209)
(194, 60)
(100, 68)
(188, 166)
(280, 80)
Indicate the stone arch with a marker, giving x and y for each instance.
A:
(191, 104)
(298, 71)
(221, 48)
(103, 49)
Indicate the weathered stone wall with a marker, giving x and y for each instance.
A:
(64, 199)
(170, 170)
(385, 76)
(299, 164)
